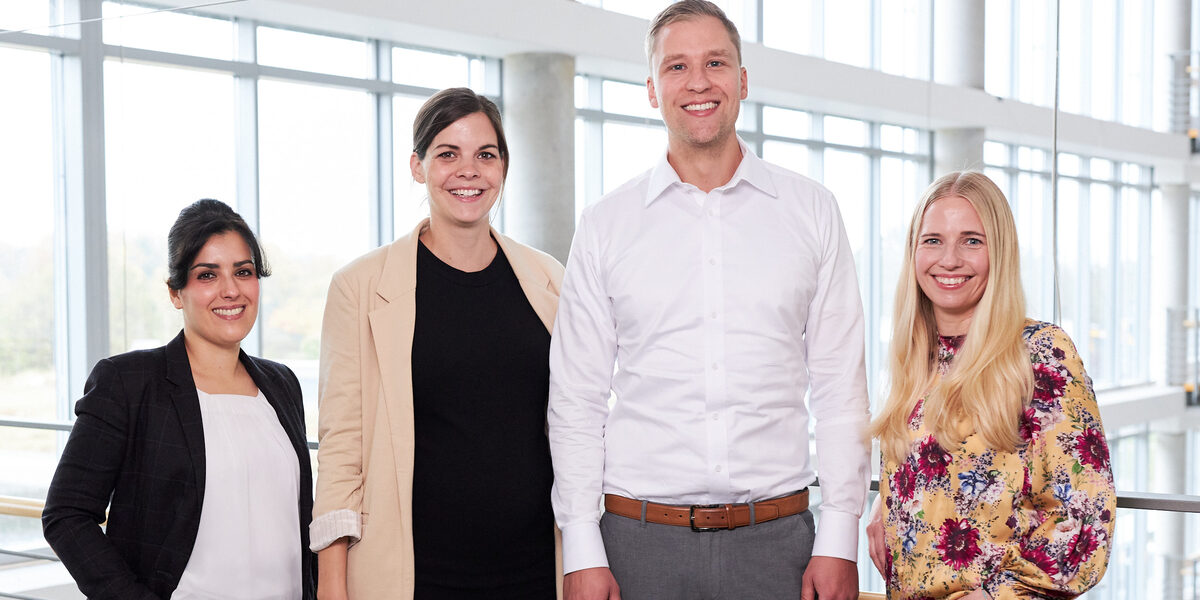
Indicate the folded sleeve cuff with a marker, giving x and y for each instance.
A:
(583, 548)
(837, 535)
(332, 526)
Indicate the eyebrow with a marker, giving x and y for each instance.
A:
(714, 53)
(453, 147)
(216, 266)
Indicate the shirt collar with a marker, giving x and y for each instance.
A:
(752, 170)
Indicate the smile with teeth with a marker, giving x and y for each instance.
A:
(229, 312)
(700, 107)
(466, 193)
(951, 280)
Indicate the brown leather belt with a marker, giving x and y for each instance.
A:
(709, 517)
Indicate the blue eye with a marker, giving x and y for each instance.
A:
(715, 63)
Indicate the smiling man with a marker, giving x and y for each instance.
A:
(722, 288)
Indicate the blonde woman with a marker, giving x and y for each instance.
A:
(995, 479)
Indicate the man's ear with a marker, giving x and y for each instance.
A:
(650, 92)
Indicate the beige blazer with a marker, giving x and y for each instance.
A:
(365, 462)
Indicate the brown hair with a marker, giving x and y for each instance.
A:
(448, 106)
(691, 9)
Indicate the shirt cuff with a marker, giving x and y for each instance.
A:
(332, 526)
(583, 547)
(837, 536)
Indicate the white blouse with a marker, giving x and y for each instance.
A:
(248, 545)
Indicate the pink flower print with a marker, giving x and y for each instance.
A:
(958, 543)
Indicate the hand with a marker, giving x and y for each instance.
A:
(829, 578)
(596, 583)
(878, 549)
(975, 595)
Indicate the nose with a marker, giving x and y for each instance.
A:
(467, 169)
(698, 81)
(951, 256)
(229, 289)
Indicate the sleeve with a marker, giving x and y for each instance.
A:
(81, 487)
(337, 506)
(582, 356)
(1069, 483)
(834, 346)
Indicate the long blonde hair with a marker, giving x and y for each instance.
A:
(991, 380)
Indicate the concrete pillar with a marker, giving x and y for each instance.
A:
(1172, 34)
(958, 59)
(539, 120)
(1172, 275)
(1168, 475)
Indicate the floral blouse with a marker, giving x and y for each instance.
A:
(1034, 523)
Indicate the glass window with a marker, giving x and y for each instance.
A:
(434, 70)
(311, 52)
(794, 157)
(157, 163)
(1131, 289)
(998, 47)
(848, 32)
(313, 179)
(849, 132)
(628, 99)
(786, 123)
(629, 150)
(27, 379)
(790, 25)
(411, 202)
(32, 15)
(1103, 57)
(902, 40)
(848, 176)
(141, 26)
(648, 9)
(1102, 277)
(1070, 226)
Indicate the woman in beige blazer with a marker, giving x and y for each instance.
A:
(433, 455)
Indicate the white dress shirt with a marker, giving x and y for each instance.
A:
(720, 311)
(248, 544)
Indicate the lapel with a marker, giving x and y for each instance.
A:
(392, 321)
(277, 398)
(187, 405)
(534, 280)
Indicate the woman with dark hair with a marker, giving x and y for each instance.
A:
(434, 470)
(196, 450)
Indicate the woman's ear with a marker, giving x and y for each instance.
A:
(418, 169)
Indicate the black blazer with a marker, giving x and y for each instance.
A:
(139, 440)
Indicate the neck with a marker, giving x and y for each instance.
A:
(953, 325)
(211, 362)
(467, 249)
(705, 167)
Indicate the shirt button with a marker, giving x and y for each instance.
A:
(712, 261)
(712, 212)
(714, 366)
(716, 416)
(718, 469)
(713, 314)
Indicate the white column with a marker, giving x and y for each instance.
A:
(958, 59)
(539, 120)
(1172, 34)
(1168, 455)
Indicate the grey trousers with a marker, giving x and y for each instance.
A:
(668, 562)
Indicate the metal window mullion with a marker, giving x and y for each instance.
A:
(84, 228)
(382, 190)
(874, 263)
(1083, 275)
(1114, 317)
(1144, 319)
(594, 149)
(245, 151)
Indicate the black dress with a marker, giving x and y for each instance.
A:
(482, 520)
